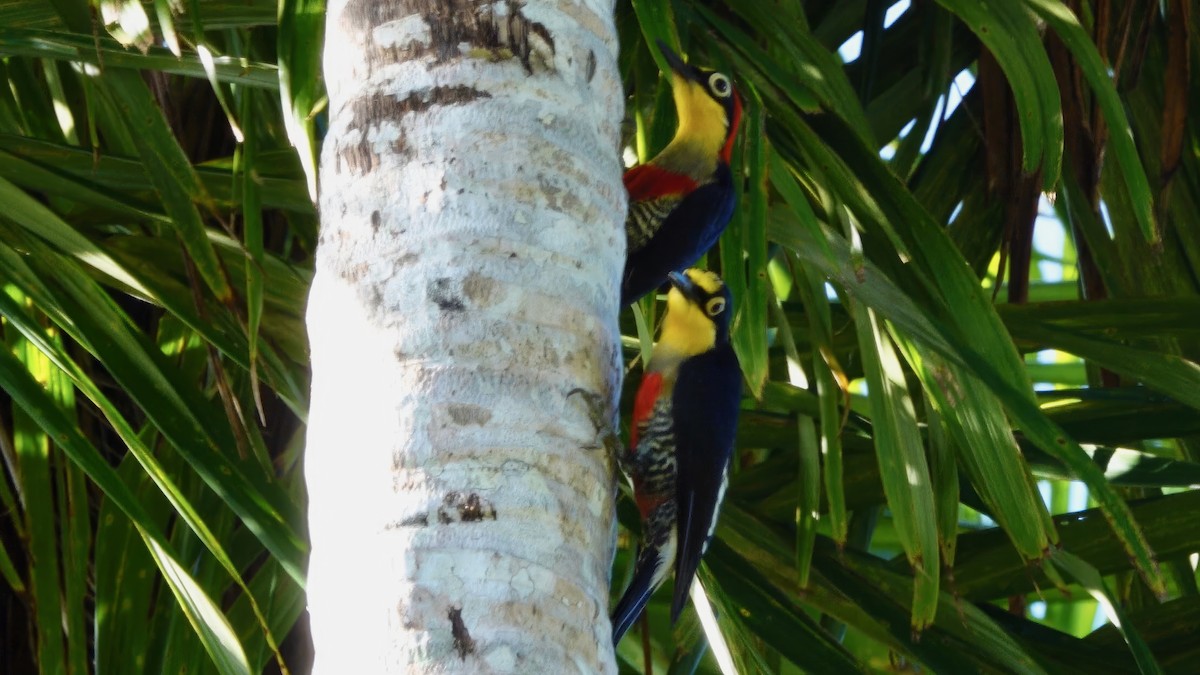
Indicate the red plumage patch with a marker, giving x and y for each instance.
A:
(727, 151)
(647, 181)
(643, 404)
(647, 503)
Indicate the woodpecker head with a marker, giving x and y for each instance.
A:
(709, 109)
(698, 311)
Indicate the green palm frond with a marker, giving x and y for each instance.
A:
(919, 460)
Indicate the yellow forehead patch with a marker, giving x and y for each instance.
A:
(709, 281)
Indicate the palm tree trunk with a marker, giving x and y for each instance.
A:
(471, 239)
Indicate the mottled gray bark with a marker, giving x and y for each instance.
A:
(471, 243)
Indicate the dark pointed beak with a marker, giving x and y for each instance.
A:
(677, 65)
(684, 284)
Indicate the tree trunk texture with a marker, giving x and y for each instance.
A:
(461, 507)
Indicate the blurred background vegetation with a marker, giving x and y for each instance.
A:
(965, 267)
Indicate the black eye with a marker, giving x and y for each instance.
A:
(719, 85)
(715, 306)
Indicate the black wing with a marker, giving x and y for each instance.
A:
(707, 394)
(685, 235)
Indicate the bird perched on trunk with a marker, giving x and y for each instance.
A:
(681, 201)
(684, 418)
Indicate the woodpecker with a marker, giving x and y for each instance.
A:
(681, 200)
(681, 441)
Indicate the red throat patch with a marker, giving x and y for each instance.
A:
(727, 151)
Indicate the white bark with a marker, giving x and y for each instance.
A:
(467, 280)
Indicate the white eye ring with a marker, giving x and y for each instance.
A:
(715, 306)
(718, 84)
